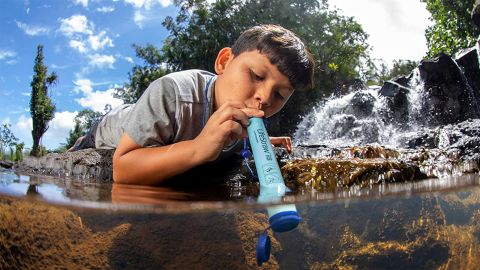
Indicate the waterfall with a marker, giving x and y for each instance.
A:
(368, 117)
(337, 122)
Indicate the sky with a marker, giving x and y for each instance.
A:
(88, 43)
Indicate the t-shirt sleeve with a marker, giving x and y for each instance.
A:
(151, 121)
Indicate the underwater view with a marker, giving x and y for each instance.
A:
(429, 224)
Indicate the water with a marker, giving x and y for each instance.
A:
(51, 222)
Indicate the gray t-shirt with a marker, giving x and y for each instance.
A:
(172, 109)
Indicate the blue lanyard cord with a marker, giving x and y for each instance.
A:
(247, 154)
(205, 99)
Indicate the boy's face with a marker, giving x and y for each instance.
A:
(251, 79)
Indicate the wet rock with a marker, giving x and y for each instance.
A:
(361, 105)
(461, 141)
(327, 174)
(6, 164)
(95, 164)
(396, 94)
(446, 97)
(469, 62)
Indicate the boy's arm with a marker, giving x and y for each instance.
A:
(134, 164)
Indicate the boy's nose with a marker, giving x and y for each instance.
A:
(263, 97)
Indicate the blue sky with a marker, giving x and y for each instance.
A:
(88, 43)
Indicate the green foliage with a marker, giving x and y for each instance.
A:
(7, 138)
(141, 76)
(19, 151)
(383, 73)
(200, 30)
(42, 108)
(83, 122)
(453, 27)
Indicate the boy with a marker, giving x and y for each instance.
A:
(191, 117)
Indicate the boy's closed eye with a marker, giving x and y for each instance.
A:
(255, 76)
(279, 95)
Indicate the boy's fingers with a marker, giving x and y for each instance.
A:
(237, 111)
(232, 128)
(252, 112)
(231, 113)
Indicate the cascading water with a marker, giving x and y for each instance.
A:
(358, 118)
(370, 116)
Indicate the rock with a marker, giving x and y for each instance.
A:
(95, 164)
(449, 92)
(361, 105)
(469, 62)
(447, 97)
(328, 174)
(6, 164)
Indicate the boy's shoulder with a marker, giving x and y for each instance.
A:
(186, 83)
(189, 76)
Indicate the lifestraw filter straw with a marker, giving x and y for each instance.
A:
(282, 218)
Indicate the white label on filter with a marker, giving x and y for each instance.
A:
(270, 173)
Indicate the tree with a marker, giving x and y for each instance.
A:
(141, 76)
(19, 151)
(42, 108)
(453, 28)
(381, 74)
(84, 120)
(7, 138)
(201, 29)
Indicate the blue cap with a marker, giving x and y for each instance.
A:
(263, 248)
(284, 221)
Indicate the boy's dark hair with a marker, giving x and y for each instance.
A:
(284, 50)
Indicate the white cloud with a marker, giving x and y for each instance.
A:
(99, 41)
(11, 62)
(139, 18)
(147, 4)
(33, 30)
(76, 24)
(57, 133)
(84, 3)
(58, 66)
(6, 54)
(78, 45)
(142, 13)
(95, 100)
(106, 9)
(58, 130)
(22, 129)
(101, 61)
(83, 86)
(82, 35)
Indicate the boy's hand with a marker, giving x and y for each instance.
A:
(285, 142)
(227, 124)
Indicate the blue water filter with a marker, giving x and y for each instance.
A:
(284, 217)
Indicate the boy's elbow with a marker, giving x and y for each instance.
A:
(118, 170)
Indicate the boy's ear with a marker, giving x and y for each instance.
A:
(223, 58)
